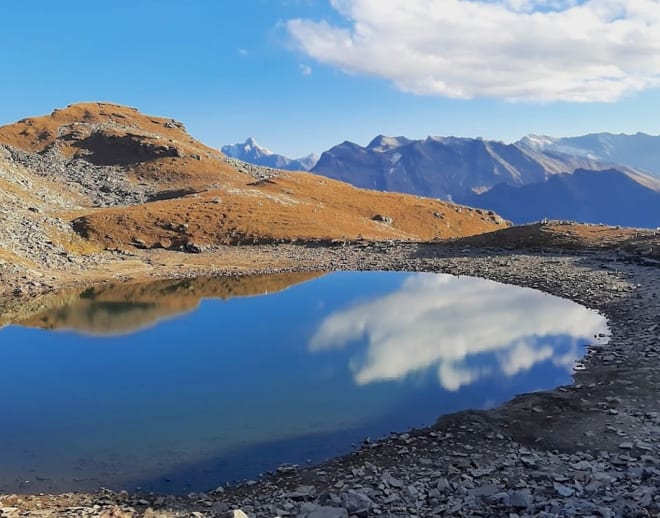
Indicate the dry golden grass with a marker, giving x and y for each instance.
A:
(12, 258)
(295, 207)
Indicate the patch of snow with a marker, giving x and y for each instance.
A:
(394, 159)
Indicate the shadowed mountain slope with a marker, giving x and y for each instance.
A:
(640, 150)
(610, 197)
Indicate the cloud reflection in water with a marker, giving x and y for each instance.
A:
(445, 322)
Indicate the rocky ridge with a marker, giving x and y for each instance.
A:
(455, 168)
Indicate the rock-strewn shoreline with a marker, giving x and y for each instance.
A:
(589, 449)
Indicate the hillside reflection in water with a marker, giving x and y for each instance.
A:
(182, 385)
(125, 308)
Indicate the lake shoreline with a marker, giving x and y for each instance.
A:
(591, 447)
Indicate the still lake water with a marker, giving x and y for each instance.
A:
(184, 385)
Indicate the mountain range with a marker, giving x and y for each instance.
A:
(524, 181)
(250, 151)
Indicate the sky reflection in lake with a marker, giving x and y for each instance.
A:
(182, 385)
(449, 323)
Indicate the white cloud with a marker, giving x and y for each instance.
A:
(306, 70)
(522, 356)
(440, 321)
(543, 50)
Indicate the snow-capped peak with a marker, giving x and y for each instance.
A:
(384, 143)
(252, 145)
(250, 151)
(537, 142)
(247, 150)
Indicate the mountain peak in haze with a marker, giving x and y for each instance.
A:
(639, 150)
(455, 167)
(250, 151)
(250, 146)
(383, 143)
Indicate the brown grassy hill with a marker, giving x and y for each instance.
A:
(195, 196)
(295, 206)
(95, 127)
(154, 149)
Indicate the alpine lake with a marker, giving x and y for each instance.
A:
(184, 385)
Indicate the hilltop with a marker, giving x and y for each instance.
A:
(96, 183)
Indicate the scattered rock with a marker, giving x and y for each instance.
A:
(355, 502)
(520, 499)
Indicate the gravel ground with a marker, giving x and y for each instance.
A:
(589, 449)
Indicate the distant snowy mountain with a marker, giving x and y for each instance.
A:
(251, 152)
(640, 151)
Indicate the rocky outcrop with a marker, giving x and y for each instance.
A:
(103, 148)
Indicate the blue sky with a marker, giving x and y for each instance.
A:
(303, 75)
